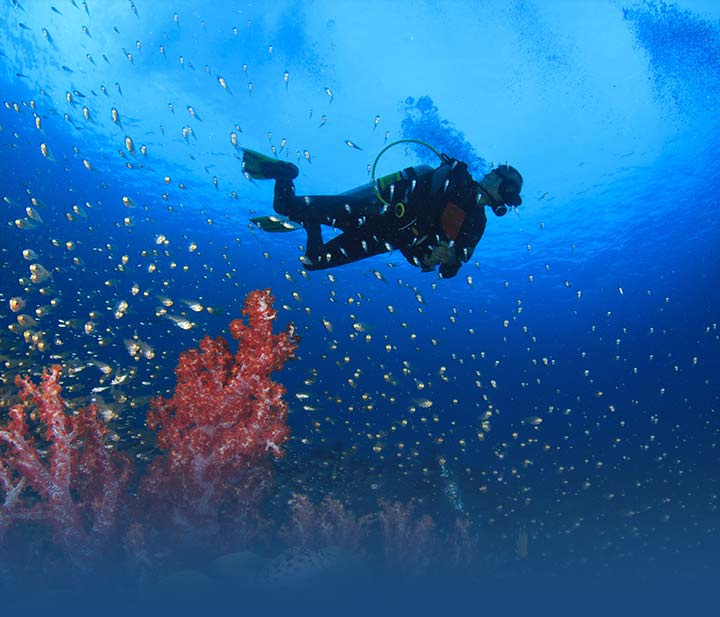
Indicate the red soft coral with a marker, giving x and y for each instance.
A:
(217, 431)
(71, 483)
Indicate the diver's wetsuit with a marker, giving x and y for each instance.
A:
(428, 206)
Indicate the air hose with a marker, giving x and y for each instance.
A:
(387, 204)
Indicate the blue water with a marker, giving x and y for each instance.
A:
(593, 307)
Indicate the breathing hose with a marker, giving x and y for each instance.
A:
(386, 203)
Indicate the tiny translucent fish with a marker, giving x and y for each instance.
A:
(192, 112)
(351, 144)
(119, 378)
(376, 122)
(146, 350)
(187, 132)
(307, 156)
(329, 93)
(33, 214)
(181, 322)
(250, 88)
(223, 83)
(115, 115)
(286, 77)
(378, 275)
(26, 321)
(323, 121)
(86, 31)
(86, 113)
(129, 144)
(39, 273)
(620, 290)
(16, 304)
(194, 305)
(46, 152)
(79, 211)
(327, 324)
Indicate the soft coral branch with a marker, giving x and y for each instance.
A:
(75, 487)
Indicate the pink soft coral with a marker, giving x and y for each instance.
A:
(72, 483)
(224, 419)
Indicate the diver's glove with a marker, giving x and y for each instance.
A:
(443, 253)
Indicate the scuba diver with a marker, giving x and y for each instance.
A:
(434, 217)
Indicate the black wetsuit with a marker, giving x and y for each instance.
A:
(428, 206)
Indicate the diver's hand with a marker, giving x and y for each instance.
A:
(443, 253)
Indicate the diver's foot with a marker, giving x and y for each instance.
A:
(260, 167)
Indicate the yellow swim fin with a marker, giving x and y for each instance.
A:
(260, 167)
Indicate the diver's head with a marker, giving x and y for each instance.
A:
(503, 185)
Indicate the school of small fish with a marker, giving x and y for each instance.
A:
(153, 248)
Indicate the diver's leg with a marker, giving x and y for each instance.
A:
(346, 248)
(343, 212)
(314, 246)
(285, 201)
